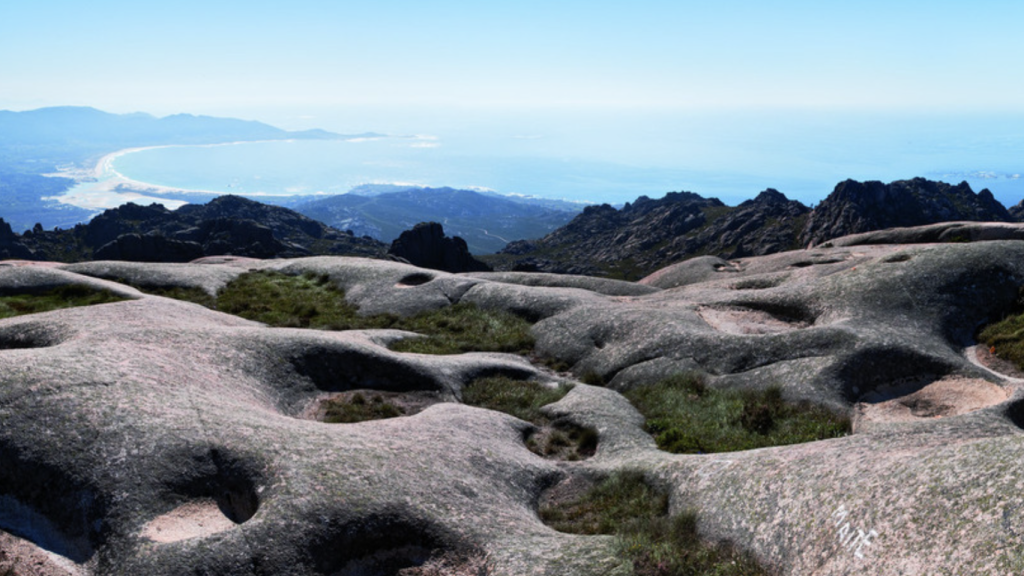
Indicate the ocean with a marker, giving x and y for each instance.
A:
(614, 158)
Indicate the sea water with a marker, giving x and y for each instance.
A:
(614, 158)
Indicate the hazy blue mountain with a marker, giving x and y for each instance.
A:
(40, 141)
(487, 222)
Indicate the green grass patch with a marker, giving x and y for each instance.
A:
(626, 506)
(524, 399)
(465, 327)
(607, 505)
(68, 296)
(358, 408)
(1006, 338)
(686, 416)
(305, 301)
(195, 295)
(313, 301)
(520, 398)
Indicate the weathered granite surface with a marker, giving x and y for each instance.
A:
(153, 436)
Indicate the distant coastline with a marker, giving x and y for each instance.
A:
(103, 187)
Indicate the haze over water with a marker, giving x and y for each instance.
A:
(609, 156)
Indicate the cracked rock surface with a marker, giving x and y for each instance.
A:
(154, 436)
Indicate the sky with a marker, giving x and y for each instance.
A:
(732, 95)
(247, 59)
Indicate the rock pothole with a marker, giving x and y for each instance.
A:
(394, 544)
(221, 494)
(743, 320)
(194, 519)
(820, 259)
(414, 279)
(896, 258)
(912, 401)
(562, 440)
(364, 404)
(27, 336)
(44, 506)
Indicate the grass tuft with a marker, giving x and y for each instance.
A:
(524, 399)
(686, 416)
(625, 505)
(358, 409)
(465, 327)
(195, 295)
(520, 398)
(620, 498)
(68, 296)
(1006, 337)
(313, 301)
(306, 301)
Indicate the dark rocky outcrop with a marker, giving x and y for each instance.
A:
(647, 234)
(426, 246)
(650, 234)
(1017, 211)
(10, 245)
(855, 207)
(228, 225)
(149, 248)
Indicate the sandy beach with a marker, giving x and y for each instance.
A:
(102, 187)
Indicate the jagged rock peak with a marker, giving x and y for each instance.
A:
(855, 207)
(767, 197)
(425, 245)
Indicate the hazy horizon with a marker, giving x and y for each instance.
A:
(730, 97)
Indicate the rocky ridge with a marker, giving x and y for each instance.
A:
(159, 437)
(650, 234)
(226, 225)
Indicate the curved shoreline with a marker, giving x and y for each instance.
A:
(103, 187)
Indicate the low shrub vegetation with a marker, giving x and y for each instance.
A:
(626, 506)
(358, 408)
(68, 296)
(196, 295)
(686, 416)
(1005, 339)
(313, 301)
(465, 328)
(520, 398)
(305, 301)
(524, 399)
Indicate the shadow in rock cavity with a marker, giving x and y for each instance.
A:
(389, 543)
(29, 335)
(339, 370)
(45, 505)
(216, 491)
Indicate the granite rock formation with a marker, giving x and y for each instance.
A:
(153, 436)
(226, 225)
(855, 207)
(651, 234)
(426, 246)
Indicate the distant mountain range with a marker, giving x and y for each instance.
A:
(528, 234)
(40, 141)
(486, 222)
(629, 243)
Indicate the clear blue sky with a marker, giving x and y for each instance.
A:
(220, 57)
